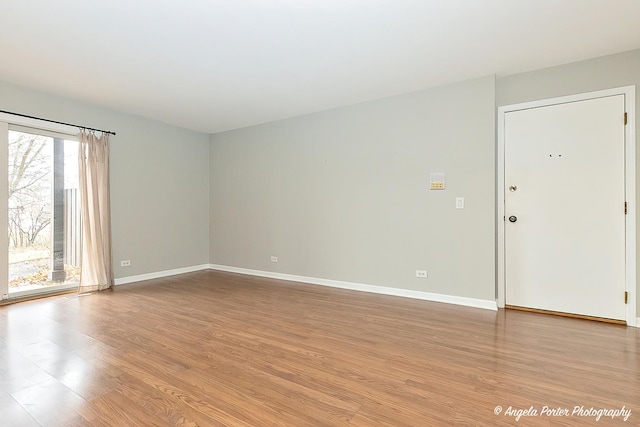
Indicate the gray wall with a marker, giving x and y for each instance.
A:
(159, 182)
(343, 194)
(601, 73)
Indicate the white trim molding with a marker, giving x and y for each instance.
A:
(427, 296)
(4, 214)
(407, 293)
(160, 274)
(7, 121)
(44, 290)
(42, 124)
(629, 93)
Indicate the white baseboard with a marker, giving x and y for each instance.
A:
(427, 296)
(159, 274)
(449, 299)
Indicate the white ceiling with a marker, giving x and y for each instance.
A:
(214, 65)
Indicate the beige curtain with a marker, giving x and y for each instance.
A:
(93, 170)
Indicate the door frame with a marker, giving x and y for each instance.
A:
(6, 120)
(629, 93)
(4, 214)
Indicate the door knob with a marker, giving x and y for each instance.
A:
(512, 188)
(513, 218)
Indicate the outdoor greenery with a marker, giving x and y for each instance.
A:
(29, 189)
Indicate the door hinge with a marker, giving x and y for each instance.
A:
(625, 119)
(626, 297)
(625, 208)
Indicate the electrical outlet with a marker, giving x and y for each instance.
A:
(459, 202)
(274, 258)
(423, 274)
(125, 263)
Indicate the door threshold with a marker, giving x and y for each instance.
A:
(37, 296)
(562, 314)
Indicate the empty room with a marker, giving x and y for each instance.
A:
(319, 213)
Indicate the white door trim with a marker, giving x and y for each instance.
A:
(629, 93)
(4, 215)
(6, 121)
(13, 119)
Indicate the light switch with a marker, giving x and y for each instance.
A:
(459, 202)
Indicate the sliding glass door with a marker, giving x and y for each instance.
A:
(42, 211)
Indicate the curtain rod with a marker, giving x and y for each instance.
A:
(57, 122)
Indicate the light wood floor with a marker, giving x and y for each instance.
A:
(214, 349)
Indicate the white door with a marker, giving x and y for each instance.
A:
(564, 207)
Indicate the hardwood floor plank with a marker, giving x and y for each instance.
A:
(50, 403)
(220, 349)
(13, 414)
(17, 372)
(172, 411)
(115, 409)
